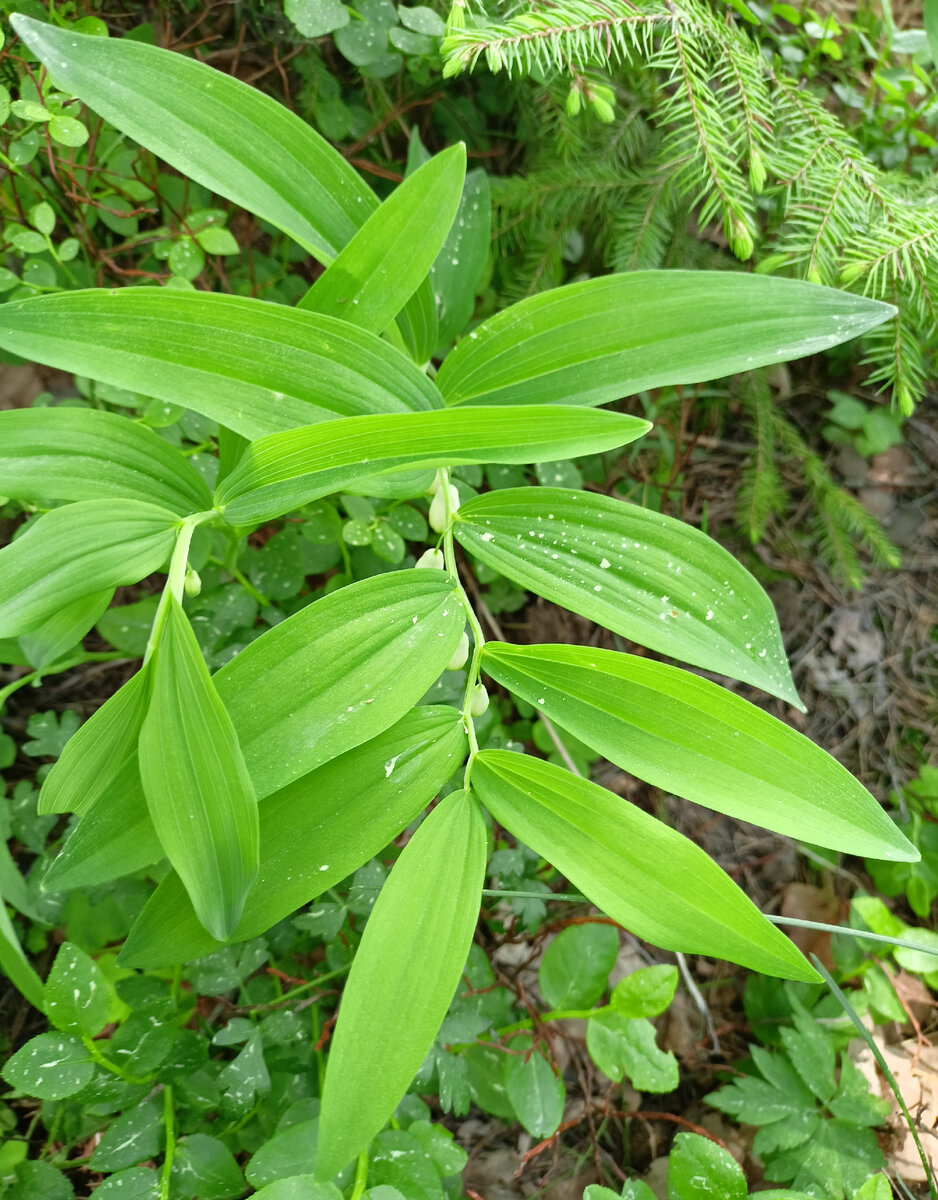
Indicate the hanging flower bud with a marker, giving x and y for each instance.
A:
(431, 558)
(437, 517)
(479, 701)
(460, 654)
(192, 584)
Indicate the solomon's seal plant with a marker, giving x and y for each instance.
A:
(261, 786)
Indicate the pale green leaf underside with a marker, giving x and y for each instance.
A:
(98, 751)
(406, 969)
(390, 256)
(198, 790)
(83, 454)
(61, 632)
(649, 878)
(691, 737)
(653, 579)
(255, 367)
(314, 832)
(235, 140)
(284, 471)
(612, 336)
(73, 551)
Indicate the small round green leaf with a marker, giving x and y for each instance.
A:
(699, 1169)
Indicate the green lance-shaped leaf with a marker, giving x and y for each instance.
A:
(390, 256)
(418, 324)
(237, 141)
(339, 671)
(14, 963)
(255, 367)
(314, 832)
(99, 751)
(657, 581)
(692, 737)
(82, 454)
(74, 551)
(459, 267)
(197, 786)
(64, 629)
(608, 337)
(406, 969)
(649, 878)
(283, 471)
(115, 837)
(321, 682)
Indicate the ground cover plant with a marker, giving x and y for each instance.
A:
(314, 721)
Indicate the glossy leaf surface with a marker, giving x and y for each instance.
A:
(236, 140)
(197, 786)
(406, 969)
(314, 832)
(254, 367)
(74, 551)
(83, 454)
(691, 737)
(651, 578)
(283, 471)
(650, 879)
(614, 335)
(390, 256)
(339, 671)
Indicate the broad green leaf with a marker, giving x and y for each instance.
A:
(653, 579)
(284, 471)
(37, 1179)
(691, 737)
(405, 971)
(536, 1093)
(76, 998)
(64, 629)
(385, 262)
(417, 324)
(14, 963)
(254, 367)
(625, 1047)
(96, 755)
(83, 454)
(136, 1183)
(877, 1187)
(198, 789)
(612, 336)
(457, 271)
(645, 992)
(290, 1152)
(299, 1187)
(50, 1067)
(314, 832)
(237, 141)
(699, 1169)
(127, 626)
(74, 551)
(334, 675)
(576, 965)
(134, 1136)
(649, 878)
(205, 1169)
